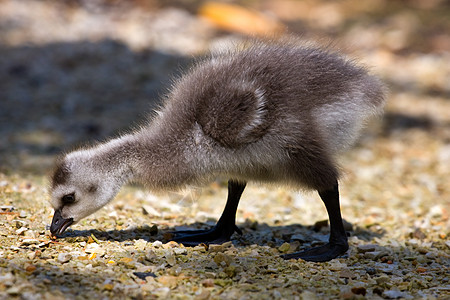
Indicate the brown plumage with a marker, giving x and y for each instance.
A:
(270, 112)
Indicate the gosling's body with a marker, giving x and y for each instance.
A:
(269, 113)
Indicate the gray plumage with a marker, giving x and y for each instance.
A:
(269, 112)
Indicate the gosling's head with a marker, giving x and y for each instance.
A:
(79, 187)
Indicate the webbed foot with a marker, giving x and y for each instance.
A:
(215, 235)
(319, 254)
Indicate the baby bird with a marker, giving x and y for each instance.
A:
(273, 112)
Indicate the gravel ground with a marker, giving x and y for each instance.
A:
(72, 72)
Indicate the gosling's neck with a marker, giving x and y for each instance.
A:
(153, 159)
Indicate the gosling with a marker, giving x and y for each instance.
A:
(273, 112)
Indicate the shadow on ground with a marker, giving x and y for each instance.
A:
(57, 96)
(253, 233)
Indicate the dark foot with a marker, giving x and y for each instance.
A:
(214, 235)
(319, 254)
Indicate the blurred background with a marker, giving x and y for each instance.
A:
(76, 71)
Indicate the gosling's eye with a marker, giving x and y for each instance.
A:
(68, 199)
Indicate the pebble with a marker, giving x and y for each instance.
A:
(180, 251)
(285, 247)
(157, 244)
(21, 230)
(30, 234)
(95, 248)
(386, 268)
(371, 271)
(347, 273)
(298, 237)
(7, 279)
(64, 257)
(373, 255)
(208, 282)
(366, 248)
(7, 208)
(168, 280)
(382, 279)
(149, 210)
(26, 242)
(308, 295)
(13, 291)
(359, 290)
(395, 294)
(170, 258)
(222, 259)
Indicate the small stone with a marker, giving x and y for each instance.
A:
(30, 269)
(215, 248)
(378, 290)
(126, 260)
(13, 291)
(371, 271)
(421, 259)
(7, 279)
(346, 293)
(308, 295)
(21, 230)
(421, 270)
(359, 290)
(157, 244)
(373, 255)
(382, 279)
(222, 259)
(387, 268)
(284, 248)
(7, 208)
(336, 265)
(23, 214)
(170, 258)
(64, 257)
(208, 282)
(394, 294)
(276, 294)
(347, 273)
(153, 230)
(298, 237)
(168, 280)
(20, 223)
(30, 234)
(94, 248)
(180, 251)
(422, 250)
(230, 271)
(26, 242)
(148, 210)
(366, 248)
(140, 244)
(419, 234)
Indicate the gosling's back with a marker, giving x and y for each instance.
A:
(270, 112)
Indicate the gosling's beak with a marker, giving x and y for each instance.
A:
(59, 224)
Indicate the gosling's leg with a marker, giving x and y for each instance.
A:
(224, 228)
(338, 243)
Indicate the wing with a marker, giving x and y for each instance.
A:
(234, 116)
